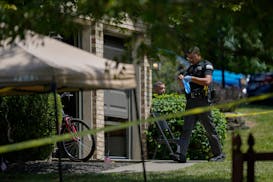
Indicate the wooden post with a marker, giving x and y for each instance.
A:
(237, 159)
(250, 157)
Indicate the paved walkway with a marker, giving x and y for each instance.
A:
(152, 166)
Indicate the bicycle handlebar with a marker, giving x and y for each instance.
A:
(66, 94)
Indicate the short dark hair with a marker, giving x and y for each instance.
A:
(194, 49)
(159, 88)
(156, 84)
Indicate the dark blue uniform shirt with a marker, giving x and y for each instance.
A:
(200, 69)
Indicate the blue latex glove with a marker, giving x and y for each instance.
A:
(187, 78)
(187, 86)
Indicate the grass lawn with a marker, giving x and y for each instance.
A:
(261, 128)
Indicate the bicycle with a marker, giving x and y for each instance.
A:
(79, 148)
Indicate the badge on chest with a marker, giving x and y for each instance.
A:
(199, 68)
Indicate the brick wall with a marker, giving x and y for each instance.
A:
(145, 99)
(98, 95)
(98, 122)
(92, 41)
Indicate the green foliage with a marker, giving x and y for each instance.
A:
(167, 71)
(228, 32)
(28, 117)
(199, 146)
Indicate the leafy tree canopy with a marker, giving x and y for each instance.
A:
(229, 33)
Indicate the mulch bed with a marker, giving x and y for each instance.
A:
(44, 167)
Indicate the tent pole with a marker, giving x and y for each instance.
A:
(140, 138)
(53, 88)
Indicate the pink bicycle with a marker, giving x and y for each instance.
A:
(79, 148)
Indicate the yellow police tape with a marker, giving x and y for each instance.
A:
(58, 138)
(6, 89)
(234, 115)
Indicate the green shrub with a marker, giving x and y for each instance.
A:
(199, 146)
(28, 117)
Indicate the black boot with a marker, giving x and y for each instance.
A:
(178, 157)
(182, 158)
(174, 157)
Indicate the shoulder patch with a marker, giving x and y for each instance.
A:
(209, 67)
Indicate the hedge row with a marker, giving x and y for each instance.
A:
(27, 117)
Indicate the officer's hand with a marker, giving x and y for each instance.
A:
(180, 77)
(187, 78)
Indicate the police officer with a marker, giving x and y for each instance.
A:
(199, 77)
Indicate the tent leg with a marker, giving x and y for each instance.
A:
(53, 87)
(140, 138)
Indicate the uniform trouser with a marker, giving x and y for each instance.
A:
(206, 120)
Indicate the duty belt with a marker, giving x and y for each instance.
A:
(200, 94)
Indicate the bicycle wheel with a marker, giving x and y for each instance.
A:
(79, 148)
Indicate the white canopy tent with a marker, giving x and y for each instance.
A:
(31, 65)
(40, 64)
